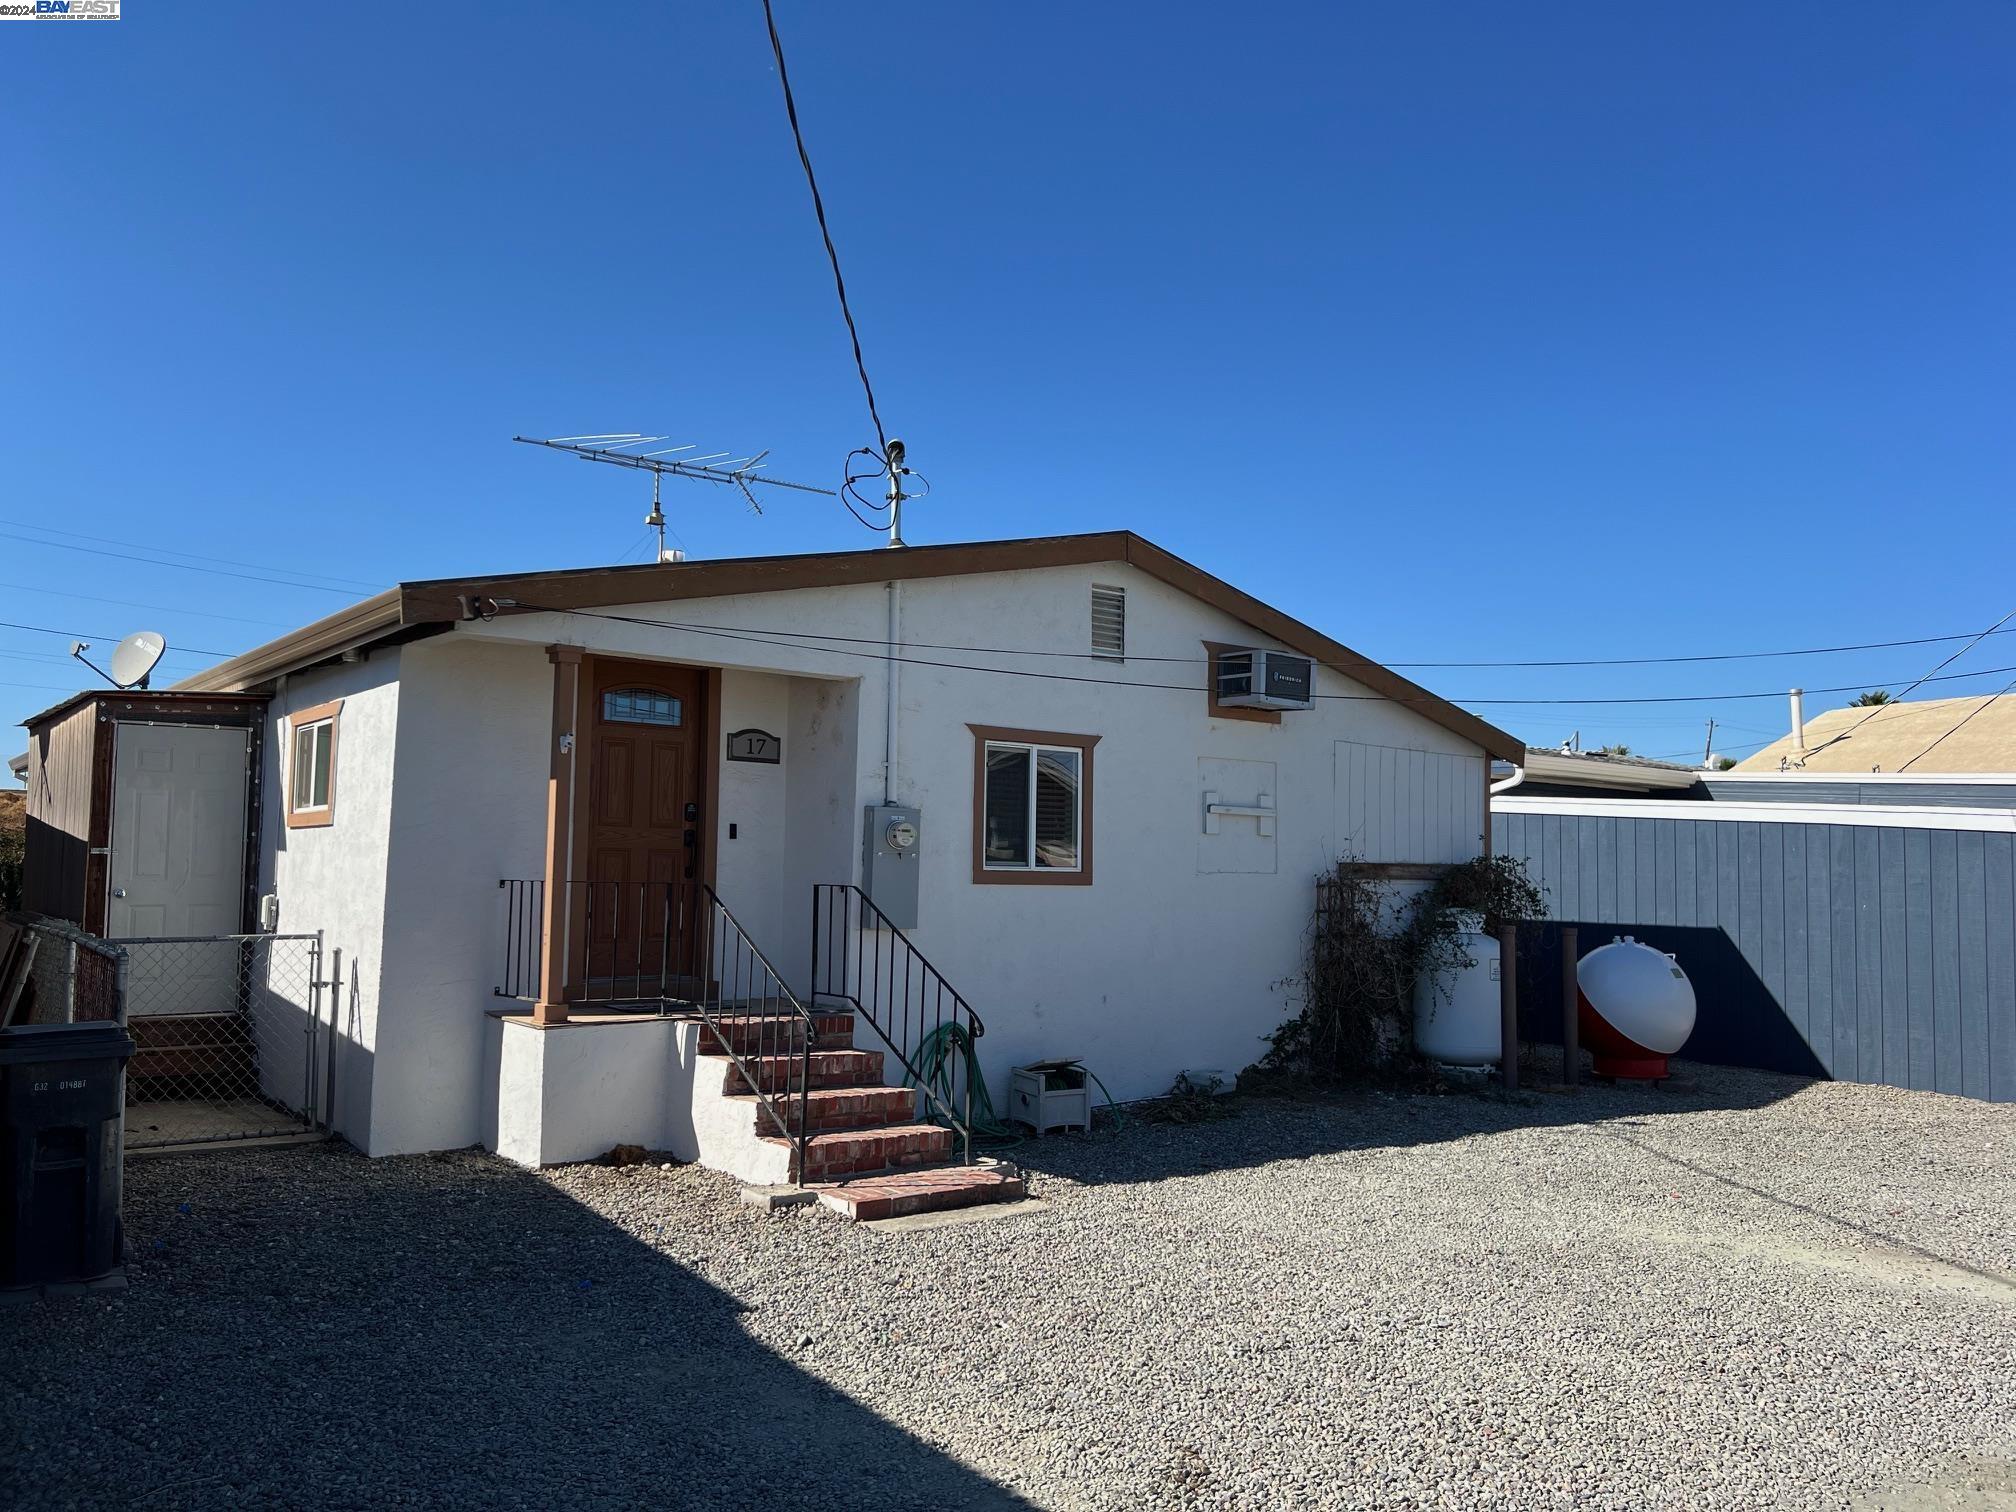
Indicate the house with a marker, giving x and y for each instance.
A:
(1032, 788)
(1545, 772)
(1975, 735)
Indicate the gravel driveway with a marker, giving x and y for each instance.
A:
(1756, 1291)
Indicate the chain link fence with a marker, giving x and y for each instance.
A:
(73, 977)
(231, 1037)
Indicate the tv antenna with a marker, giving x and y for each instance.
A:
(133, 659)
(744, 474)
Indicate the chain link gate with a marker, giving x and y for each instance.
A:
(229, 1038)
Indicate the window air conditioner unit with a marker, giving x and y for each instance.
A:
(1263, 680)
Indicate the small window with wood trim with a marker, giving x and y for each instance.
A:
(1032, 806)
(311, 776)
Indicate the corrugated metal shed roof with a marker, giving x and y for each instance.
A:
(1899, 737)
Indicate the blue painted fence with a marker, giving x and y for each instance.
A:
(1887, 945)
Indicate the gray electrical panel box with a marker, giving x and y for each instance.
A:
(892, 840)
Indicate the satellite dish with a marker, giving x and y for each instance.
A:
(134, 658)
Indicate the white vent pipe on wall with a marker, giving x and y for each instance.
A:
(1799, 720)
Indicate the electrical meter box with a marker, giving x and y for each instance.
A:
(892, 841)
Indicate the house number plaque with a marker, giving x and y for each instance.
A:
(755, 745)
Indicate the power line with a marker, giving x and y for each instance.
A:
(826, 235)
(88, 635)
(1970, 714)
(184, 566)
(1109, 682)
(45, 687)
(1928, 677)
(1367, 661)
(1751, 745)
(91, 598)
(1721, 656)
(192, 556)
(41, 660)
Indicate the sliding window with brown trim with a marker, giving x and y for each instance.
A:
(1032, 806)
(311, 766)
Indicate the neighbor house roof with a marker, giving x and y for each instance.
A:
(1899, 736)
(1599, 769)
(414, 609)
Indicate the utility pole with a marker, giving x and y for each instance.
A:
(1708, 751)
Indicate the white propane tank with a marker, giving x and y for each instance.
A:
(1456, 1011)
(1637, 1008)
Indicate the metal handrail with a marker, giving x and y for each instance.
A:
(767, 1030)
(704, 963)
(885, 1000)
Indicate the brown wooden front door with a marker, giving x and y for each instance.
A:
(646, 811)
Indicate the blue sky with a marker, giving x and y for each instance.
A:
(1464, 332)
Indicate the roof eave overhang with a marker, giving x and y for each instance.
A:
(443, 601)
(1548, 766)
(345, 630)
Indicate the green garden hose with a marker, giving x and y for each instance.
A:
(945, 1053)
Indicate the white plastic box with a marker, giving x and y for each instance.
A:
(1053, 1094)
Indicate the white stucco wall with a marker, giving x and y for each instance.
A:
(749, 865)
(1181, 953)
(332, 877)
(470, 808)
(1183, 950)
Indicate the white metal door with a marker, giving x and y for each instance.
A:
(178, 855)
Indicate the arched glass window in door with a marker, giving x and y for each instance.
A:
(641, 706)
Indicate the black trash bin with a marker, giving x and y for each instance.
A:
(62, 1139)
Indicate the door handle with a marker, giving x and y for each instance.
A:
(692, 838)
(118, 892)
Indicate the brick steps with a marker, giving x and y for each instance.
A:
(866, 1149)
(860, 1152)
(770, 1034)
(830, 1068)
(900, 1193)
(858, 1110)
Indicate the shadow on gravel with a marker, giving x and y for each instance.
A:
(1268, 1129)
(321, 1330)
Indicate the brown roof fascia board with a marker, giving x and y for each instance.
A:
(598, 587)
(439, 601)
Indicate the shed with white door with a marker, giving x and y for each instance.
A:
(140, 810)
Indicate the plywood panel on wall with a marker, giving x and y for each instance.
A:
(1396, 804)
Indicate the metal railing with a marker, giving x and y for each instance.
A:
(860, 958)
(636, 943)
(674, 949)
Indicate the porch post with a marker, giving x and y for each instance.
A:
(551, 1008)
